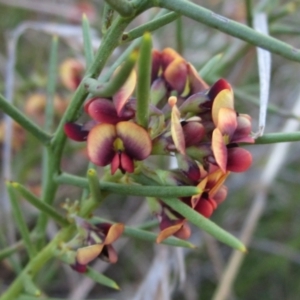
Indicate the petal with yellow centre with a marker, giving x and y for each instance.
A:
(100, 143)
(136, 140)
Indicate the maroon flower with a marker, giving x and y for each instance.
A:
(118, 145)
(98, 244)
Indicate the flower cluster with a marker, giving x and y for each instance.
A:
(188, 119)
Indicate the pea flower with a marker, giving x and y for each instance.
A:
(97, 244)
(118, 145)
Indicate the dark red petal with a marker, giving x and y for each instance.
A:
(184, 232)
(115, 163)
(189, 167)
(75, 132)
(109, 254)
(205, 207)
(217, 87)
(239, 159)
(100, 144)
(243, 131)
(156, 64)
(136, 140)
(127, 164)
(79, 268)
(193, 132)
(102, 110)
(167, 56)
(176, 74)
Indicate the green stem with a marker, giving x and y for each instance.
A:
(284, 29)
(179, 37)
(155, 24)
(48, 191)
(8, 251)
(25, 122)
(123, 7)
(278, 137)
(110, 88)
(283, 11)
(107, 17)
(230, 27)
(36, 264)
(40, 205)
(210, 65)
(101, 279)
(123, 57)
(19, 219)
(87, 41)
(96, 196)
(144, 81)
(135, 190)
(51, 85)
(125, 54)
(248, 4)
(94, 185)
(243, 95)
(49, 110)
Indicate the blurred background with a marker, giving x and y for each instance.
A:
(262, 206)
